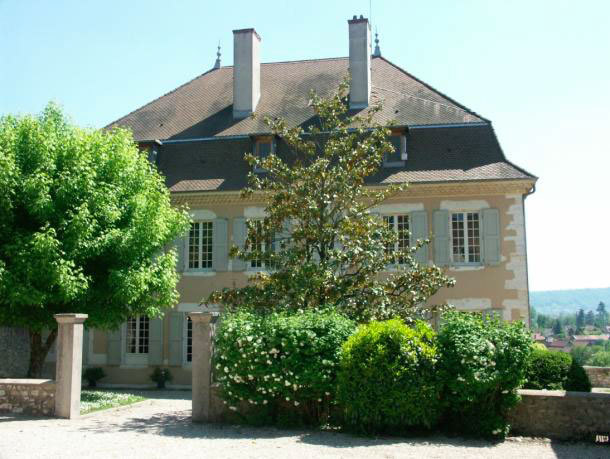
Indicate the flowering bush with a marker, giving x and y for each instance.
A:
(483, 363)
(387, 380)
(279, 359)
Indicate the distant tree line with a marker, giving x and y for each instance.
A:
(574, 323)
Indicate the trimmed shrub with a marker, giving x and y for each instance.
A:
(279, 360)
(387, 380)
(482, 363)
(577, 379)
(547, 370)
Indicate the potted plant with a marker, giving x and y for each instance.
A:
(93, 375)
(161, 376)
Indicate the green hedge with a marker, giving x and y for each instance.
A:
(555, 370)
(279, 360)
(482, 364)
(387, 380)
(547, 370)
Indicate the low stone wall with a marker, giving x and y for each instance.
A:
(599, 376)
(560, 414)
(30, 396)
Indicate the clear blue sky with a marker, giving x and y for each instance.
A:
(540, 70)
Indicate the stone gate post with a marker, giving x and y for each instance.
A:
(204, 324)
(69, 364)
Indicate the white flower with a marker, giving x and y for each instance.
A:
(327, 393)
(319, 400)
(294, 387)
(226, 369)
(249, 338)
(274, 351)
(232, 408)
(287, 399)
(268, 362)
(296, 403)
(250, 377)
(264, 402)
(287, 383)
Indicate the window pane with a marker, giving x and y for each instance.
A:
(395, 155)
(402, 227)
(257, 244)
(389, 221)
(264, 149)
(206, 245)
(194, 243)
(474, 244)
(143, 335)
(457, 238)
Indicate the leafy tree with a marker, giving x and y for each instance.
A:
(590, 318)
(580, 320)
(84, 220)
(336, 250)
(557, 327)
(602, 315)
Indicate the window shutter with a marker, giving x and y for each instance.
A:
(418, 224)
(155, 342)
(220, 255)
(441, 237)
(491, 236)
(239, 238)
(86, 345)
(176, 336)
(180, 244)
(115, 345)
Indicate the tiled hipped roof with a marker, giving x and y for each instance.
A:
(203, 106)
(202, 146)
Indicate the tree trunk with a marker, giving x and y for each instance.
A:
(39, 351)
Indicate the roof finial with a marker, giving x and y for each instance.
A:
(377, 52)
(217, 63)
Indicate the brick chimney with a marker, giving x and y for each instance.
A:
(359, 62)
(246, 72)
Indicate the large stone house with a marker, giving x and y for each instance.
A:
(464, 192)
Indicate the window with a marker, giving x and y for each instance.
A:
(397, 157)
(189, 340)
(137, 335)
(258, 244)
(400, 225)
(465, 237)
(263, 148)
(200, 245)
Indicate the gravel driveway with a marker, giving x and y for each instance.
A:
(162, 428)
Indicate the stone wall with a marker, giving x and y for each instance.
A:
(599, 376)
(561, 415)
(29, 396)
(15, 346)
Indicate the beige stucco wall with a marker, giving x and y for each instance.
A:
(503, 286)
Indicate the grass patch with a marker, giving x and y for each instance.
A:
(96, 400)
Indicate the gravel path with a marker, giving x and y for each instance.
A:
(162, 428)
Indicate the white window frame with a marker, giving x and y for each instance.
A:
(200, 253)
(395, 217)
(136, 359)
(467, 245)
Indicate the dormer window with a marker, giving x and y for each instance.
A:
(398, 157)
(264, 147)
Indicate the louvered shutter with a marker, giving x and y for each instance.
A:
(418, 225)
(176, 337)
(180, 244)
(491, 236)
(155, 342)
(220, 254)
(441, 237)
(239, 238)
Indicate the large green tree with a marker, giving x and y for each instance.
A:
(85, 221)
(321, 243)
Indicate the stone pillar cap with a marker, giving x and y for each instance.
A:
(70, 318)
(204, 316)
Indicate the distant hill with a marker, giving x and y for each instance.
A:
(554, 302)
